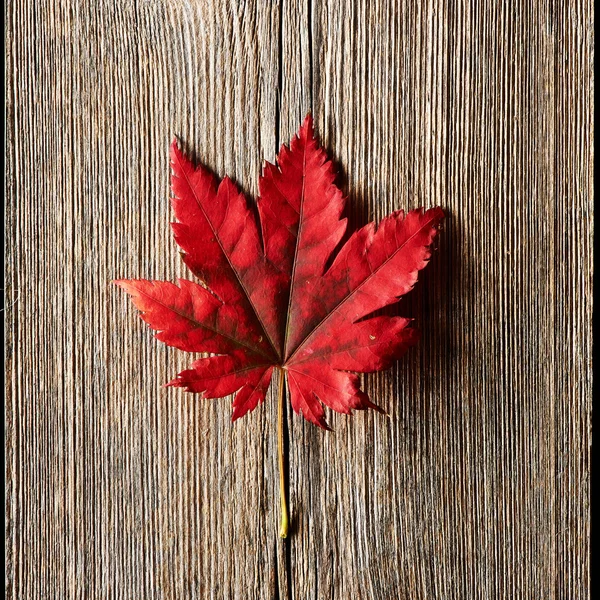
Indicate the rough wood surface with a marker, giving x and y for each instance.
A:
(476, 486)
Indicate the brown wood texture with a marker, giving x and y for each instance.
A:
(477, 484)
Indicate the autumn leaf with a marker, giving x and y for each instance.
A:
(275, 294)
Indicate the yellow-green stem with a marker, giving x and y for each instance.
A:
(283, 530)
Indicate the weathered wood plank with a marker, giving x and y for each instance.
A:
(476, 486)
(120, 489)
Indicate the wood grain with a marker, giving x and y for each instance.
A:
(477, 485)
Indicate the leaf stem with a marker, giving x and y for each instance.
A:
(283, 530)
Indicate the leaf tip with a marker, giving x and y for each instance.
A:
(307, 129)
(323, 424)
(176, 151)
(124, 284)
(381, 411)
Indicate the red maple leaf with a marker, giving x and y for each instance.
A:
(275, 294)
(268, 299)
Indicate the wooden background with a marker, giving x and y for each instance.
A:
(477, 485)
